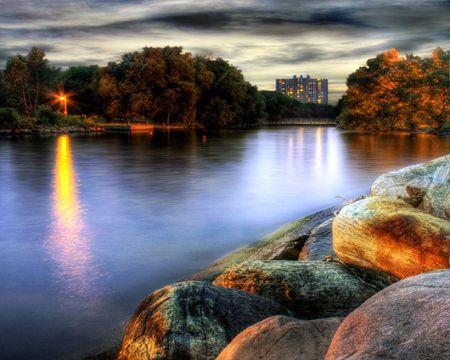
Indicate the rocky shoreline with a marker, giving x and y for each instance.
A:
(49, 131)
(367, 280)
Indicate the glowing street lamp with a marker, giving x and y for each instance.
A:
(63, 99)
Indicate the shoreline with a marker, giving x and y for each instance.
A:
(10, 133)
(311, 246)
(279, 243)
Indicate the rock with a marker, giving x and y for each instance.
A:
(311, 289)
(192, 320)
(415, 183)
(319, 245)
(408, 320)
(283, 244)
(389, 235)
(282, 337)
(437, 200)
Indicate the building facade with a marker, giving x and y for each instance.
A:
(304, 89)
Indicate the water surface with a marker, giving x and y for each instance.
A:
(90, 225)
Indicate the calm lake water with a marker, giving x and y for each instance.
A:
(91, 224)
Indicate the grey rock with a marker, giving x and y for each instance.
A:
(408, 320)
(319, 245)
(283, 338)
(417, 185)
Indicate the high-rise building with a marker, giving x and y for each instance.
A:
(304, 88)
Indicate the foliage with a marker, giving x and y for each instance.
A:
(9, 118)
(156, 83)
(165, 85)
(27, 79)
(393, 93)
(81, 82)
(228, 100)
(279, 106)
(46, 116)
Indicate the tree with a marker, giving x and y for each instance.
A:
(27, 79)
(221, 104)
(392, 93)
(81, 83)
(157, 84)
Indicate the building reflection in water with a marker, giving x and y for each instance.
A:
(68, 243)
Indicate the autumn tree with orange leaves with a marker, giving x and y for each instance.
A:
(394, 93)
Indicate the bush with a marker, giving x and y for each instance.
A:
(9, 118)
(46, 116)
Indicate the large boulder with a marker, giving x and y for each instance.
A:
(192, 320)
(283, 337)
(283, 244)
(425, 186)
(389, 235)
(408, 320)
(312, 289)
(319, 245)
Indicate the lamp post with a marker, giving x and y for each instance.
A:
(63, 98)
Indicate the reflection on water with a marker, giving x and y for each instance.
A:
(160, 207)
(68, 243)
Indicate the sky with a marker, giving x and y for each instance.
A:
(266, 39)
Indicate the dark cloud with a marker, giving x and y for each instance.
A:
(255, 34)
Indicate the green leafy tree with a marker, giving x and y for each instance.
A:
(221, 103)
(9, 118)
(81, 83)
(156, 83)
(27, 80)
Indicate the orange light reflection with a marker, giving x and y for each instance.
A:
(68, 243)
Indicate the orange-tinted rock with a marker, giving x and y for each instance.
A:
(282, 337)
(389, 235)
(409, 320)
(192, 320)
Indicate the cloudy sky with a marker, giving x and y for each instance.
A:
(267, 39)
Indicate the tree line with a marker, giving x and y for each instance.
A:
(160, 85)
(398, 93)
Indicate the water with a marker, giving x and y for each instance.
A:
(90, 225)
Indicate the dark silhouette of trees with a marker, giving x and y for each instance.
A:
(279, 106)
(81, 83)
(393, 93)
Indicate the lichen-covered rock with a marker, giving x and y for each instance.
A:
(437, 200)
(283, 338)
(192, 320)
(389, 235)
(408, 320)
(283, 244)
(417, 185)
(319, 245)
(311, 289)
